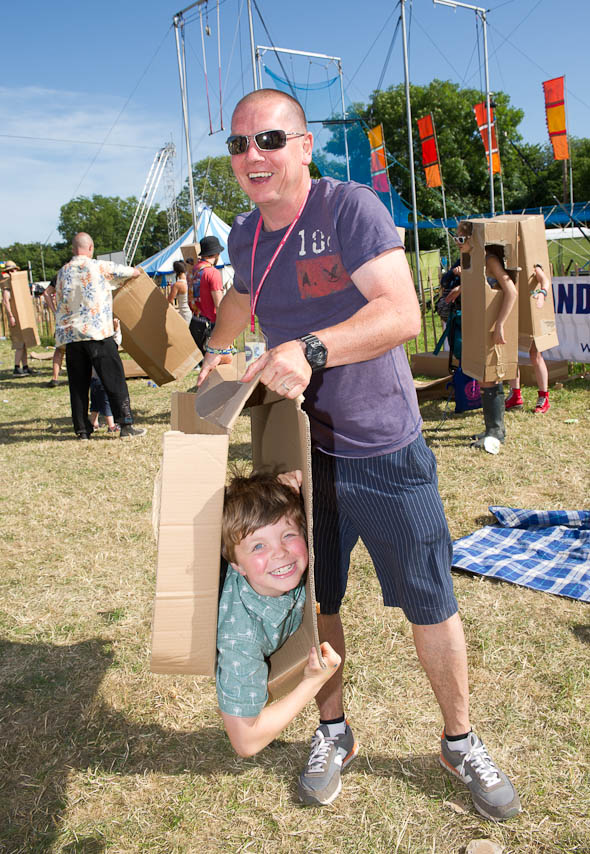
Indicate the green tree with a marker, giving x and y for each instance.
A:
(107, 219)
(462, 156)
(214, 183)
(45, 260)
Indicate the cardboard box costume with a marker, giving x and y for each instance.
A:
(193, 476)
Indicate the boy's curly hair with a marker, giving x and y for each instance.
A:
(253, 502)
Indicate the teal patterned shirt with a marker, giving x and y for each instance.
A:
(250, 627)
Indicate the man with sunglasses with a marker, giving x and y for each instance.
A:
(321, 265)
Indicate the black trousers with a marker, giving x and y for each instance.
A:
(201, 329)
(103, 356)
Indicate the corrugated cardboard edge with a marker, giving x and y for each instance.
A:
(534, 324)
(24, 310)
(158, 372)
(480, 359)
(185, 604)
(289, 661)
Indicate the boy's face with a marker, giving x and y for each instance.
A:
(272, 559)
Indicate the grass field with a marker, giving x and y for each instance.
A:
(99, 755)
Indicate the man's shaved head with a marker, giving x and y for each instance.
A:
(82, 241)
(292, 107)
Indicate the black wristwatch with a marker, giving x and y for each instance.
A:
(315, 352)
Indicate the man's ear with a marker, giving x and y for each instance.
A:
(238, 568)
(307, 148)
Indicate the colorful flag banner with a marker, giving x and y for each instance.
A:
(555, 113)
(430, 159)
(379, 176)
(481, 117)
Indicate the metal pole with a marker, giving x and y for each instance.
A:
(252, 50)
(444, 201)
(411, 145)
(488, 104)
(42, 261)
(344, 117)
(178, 23)
(479, 10)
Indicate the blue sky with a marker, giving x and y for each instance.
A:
(89, 91)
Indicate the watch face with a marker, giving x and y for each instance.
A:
(315, 352)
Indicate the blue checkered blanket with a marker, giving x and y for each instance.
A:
(547, 550)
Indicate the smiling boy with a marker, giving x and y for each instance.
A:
(261, 605)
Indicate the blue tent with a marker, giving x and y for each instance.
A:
(208, 223)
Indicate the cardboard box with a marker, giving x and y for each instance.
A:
(480, 304)
(437, 389)
(23, 308)
(429, 365)
(558, 370)
(193, 476)
(132, 370)
(191, 250)
(154, 334)
(534, 323)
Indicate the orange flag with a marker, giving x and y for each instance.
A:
(430, 159)
(555, 114)
(379, 177)
(481, 117)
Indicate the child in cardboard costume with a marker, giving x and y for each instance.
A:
(492, 392)
(539, 294)
(261, 605)
(21, 362)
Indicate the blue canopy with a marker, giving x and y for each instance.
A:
(208, 224)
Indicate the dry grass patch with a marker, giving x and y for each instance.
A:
(99, 755)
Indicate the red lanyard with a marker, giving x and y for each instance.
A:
(254, 296)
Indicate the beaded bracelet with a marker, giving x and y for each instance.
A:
(538, 291)
(220, 351)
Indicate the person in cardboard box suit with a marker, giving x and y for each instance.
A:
(84, 323)
(492, 393)
(261, 605)
(21, 360)
(515, 400)
(321, 264)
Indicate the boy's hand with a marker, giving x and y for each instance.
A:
(313, 668)
(294, 479)
(499, 334)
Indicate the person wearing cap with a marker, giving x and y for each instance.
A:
(206, 292)
(21, 364)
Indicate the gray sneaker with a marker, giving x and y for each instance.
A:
(319, 782)
(492, 793)
(128, 431)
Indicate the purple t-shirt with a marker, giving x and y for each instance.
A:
(361, 410)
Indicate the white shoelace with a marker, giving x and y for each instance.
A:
(320, 749)
(482, 764)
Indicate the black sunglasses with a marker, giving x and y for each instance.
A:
(266, 140)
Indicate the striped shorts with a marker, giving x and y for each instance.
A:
(392, 503)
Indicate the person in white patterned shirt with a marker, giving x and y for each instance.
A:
(84, 323)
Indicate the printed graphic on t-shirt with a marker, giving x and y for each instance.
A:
(318, 277)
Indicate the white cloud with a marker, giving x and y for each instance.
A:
(38, 176)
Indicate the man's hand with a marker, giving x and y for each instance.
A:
(210, 362)
(12, 320)
(453, 294)
(294, 479)
(283, 369)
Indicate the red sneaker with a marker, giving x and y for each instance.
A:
(542, 404)
(515, 400)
